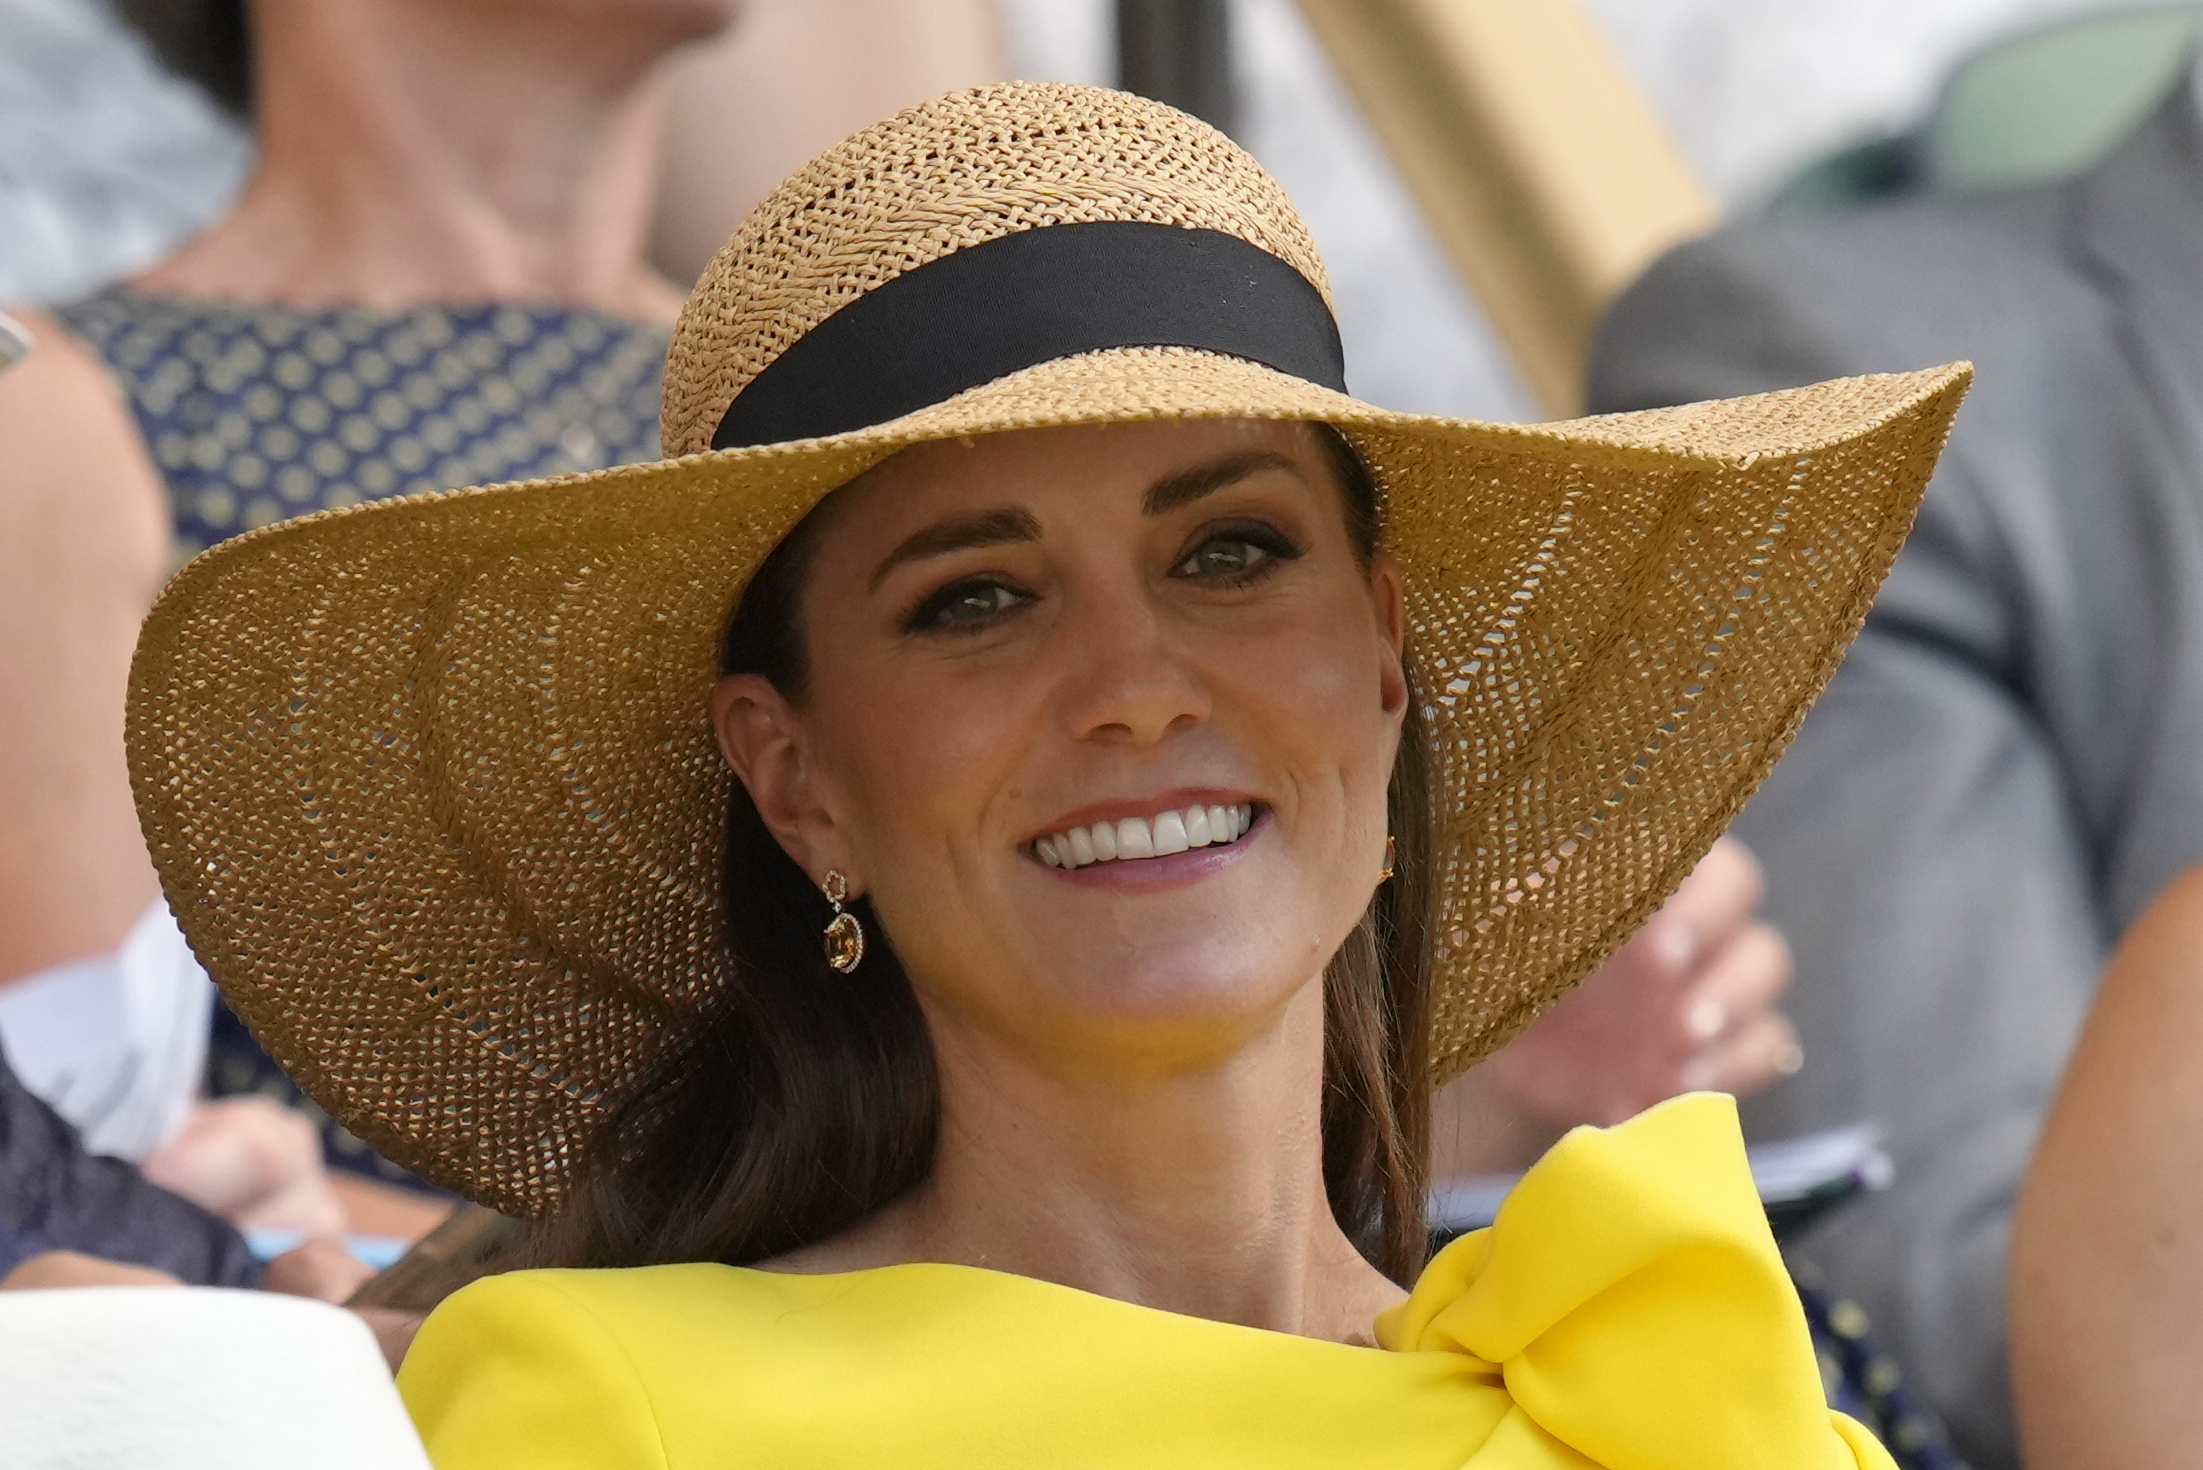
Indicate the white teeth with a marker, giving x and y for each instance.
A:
(1134, 840)
(1141, 837)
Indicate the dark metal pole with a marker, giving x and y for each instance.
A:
(1179, 52)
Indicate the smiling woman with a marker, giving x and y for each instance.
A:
(1132, 640)
(950, 891)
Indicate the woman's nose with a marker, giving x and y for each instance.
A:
(1128, 676)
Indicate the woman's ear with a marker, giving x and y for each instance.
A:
(1391, 603)
(766, 745)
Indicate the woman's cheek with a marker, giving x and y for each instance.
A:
(930, 757)
(1324, 684)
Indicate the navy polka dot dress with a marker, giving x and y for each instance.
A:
(254, 414)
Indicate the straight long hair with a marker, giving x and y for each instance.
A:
(807, 1100)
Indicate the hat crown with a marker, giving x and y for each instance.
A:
(955, 172)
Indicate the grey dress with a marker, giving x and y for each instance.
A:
(2009, 765)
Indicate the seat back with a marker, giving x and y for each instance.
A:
(192, 1378)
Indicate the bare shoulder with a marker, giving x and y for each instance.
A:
(71, 460)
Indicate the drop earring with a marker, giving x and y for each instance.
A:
(1384, 874)
(844, 935)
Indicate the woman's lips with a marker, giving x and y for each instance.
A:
(1131, 838)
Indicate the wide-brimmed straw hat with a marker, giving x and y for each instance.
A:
(431, 783)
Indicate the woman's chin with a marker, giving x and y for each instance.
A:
(1214, 974)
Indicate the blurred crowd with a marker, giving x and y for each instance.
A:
(274, 259)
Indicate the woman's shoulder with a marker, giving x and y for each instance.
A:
(664, 1323)
(656, 1299)
(596, 1368)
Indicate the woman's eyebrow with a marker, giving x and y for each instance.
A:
(988, 528)
(1188, 486)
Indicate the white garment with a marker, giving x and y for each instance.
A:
(115, 1044)
(194, 1378)
(107, 159)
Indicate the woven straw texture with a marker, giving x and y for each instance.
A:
(431, 786)
(959, 171)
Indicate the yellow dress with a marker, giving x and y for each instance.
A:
(1627, 1310)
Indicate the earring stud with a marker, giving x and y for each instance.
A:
(844, 935)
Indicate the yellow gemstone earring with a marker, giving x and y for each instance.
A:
(844, 935)
(1384, 874)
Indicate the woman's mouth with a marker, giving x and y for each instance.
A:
(1145, 837)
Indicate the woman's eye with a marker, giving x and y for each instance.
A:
(964, 605)
(1235, 556)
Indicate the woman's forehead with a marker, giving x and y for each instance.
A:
(1068, 461)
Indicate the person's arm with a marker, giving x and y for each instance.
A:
(2107, 1246)
(73, 1218)
(254, 1162)
(1927, 867)
(84, 546)
(1925, 857)
(55, 1197)
(72, 1270)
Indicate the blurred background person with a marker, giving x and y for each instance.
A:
(69, 1217)
(343, 331)
(107, 157)
(2000, 777)
(2107, 1255)
(335, 334)
(793, 77)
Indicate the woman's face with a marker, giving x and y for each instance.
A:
(1033, 648)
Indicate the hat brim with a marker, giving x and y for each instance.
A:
(432, 790)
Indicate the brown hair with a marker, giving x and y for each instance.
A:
(205, 41)
(808, 1099)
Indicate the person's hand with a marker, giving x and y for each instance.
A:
(1688, 1004)
(54, 1269)
(252, 1161)
(320, 1268)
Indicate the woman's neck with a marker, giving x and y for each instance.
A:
(425, 150)
(1193, 1190)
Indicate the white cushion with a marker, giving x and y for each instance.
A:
(194, 1378)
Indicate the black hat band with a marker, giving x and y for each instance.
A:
(1029, 297)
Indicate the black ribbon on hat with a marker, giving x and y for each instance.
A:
(1029, 297)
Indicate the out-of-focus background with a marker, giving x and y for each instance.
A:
(107, 159)
(1995, 785)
